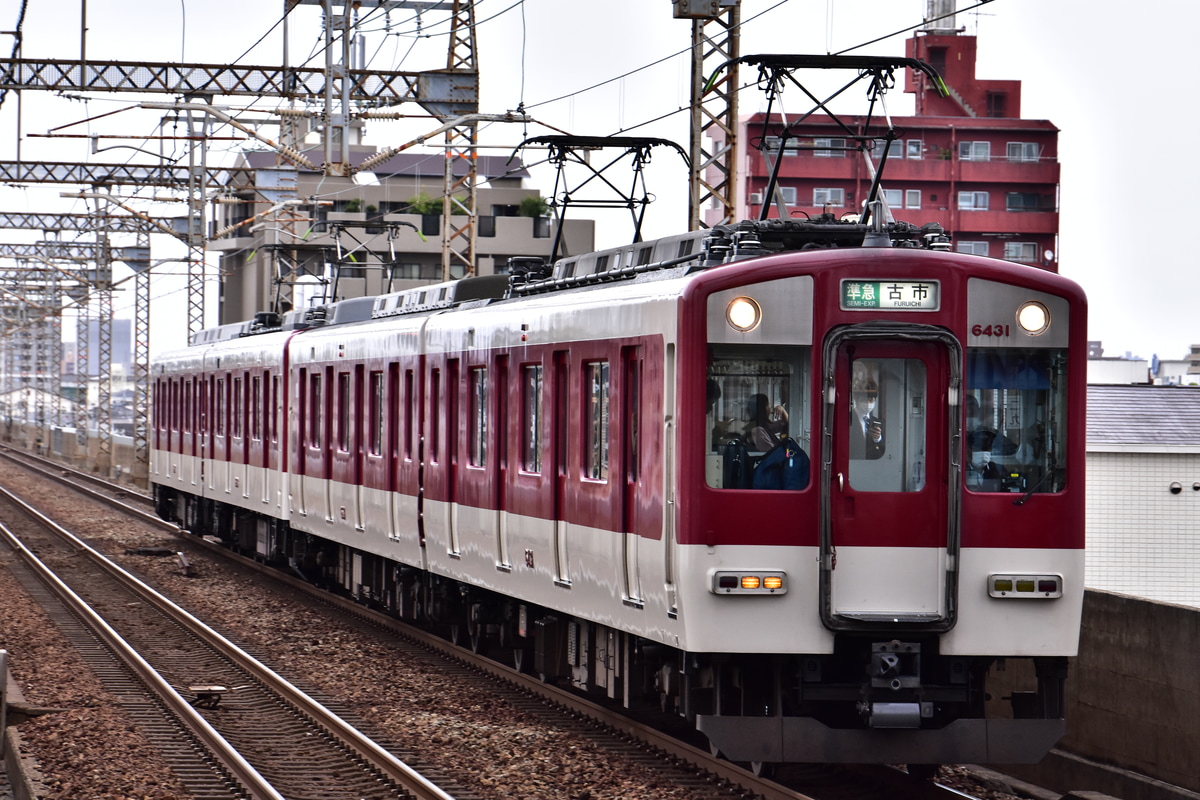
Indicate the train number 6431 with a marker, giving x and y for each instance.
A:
(990, 330)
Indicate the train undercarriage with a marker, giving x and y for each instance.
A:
(874, 699)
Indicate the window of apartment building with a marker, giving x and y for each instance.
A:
(789, 195)
(829, 148)
(914, 148)
(830, 196)
(972, 248)
(902, 198)
(880, 146)
(485, 226)
(1023, 201)
(500, 265)
(1020, 251)
(771, 145)
(406, 271)
(431, 224)
(972, 201)
(1024, 151)
(997, 104)
(975, 151)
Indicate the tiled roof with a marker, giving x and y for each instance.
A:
(1143, 415)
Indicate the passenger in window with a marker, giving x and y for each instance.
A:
(722, 430)
(767, 424)
(983, 473)
(866, 428)
(980, 436)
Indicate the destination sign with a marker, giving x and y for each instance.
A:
(891, 295)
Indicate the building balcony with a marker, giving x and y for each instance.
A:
(912, 170)
(1016, 222)
(1004, 171)
(808, 167)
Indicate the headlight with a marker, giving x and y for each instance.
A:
(743, 314)
(1033, 317)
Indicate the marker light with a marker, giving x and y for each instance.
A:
(743, 314)
(748, 582)
(1025, 586)
(1033, 317)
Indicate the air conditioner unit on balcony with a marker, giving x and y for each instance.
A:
(756, 198)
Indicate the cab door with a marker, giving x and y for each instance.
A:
(891, 423)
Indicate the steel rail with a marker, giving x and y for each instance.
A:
(395, 769)
(230, 759)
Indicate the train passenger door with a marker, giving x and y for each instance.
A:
(630, 454)
(558, 409)
(891, 426)
(451, 421)
(500, 473)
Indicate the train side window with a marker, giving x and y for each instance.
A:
(220, 410)
(204, 411)
(316, 411)
(343, 412)
(256, 408)
(410, 401)
(302, 408)
(1015, 420)
(595, 452)
(435, 392)
(479, 414)
(757, 404)
(273, 408)
(238, 408)
(531, 418)
(188, 423)
(375, 414)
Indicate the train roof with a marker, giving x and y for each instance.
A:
(654, 260)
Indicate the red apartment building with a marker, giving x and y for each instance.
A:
(967, 161)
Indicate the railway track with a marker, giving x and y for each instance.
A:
(230, 726)
(686, 764)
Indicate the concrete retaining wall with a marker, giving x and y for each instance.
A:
(1133, 703)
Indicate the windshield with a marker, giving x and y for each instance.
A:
(1015, 420)
(757, 416)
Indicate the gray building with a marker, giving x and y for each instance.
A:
(1143, 495)
(333, 238)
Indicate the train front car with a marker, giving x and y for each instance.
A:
(880, 506)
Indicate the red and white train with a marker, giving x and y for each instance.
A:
(807, 493)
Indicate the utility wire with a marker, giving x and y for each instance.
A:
(264, 36)
(646, 66)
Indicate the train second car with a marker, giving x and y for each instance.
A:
(808, 494)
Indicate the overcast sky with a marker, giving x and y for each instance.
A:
(1128, 184)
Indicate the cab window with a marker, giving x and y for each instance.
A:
(1015, 419)
(756, 425)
